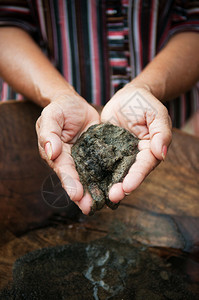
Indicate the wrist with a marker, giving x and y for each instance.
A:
(60, 90)
(155, 86)
(139, 84)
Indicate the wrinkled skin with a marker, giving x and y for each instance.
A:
(64, 120)
(103, 156)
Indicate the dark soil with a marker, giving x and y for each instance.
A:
(103, 156)
(99, 270)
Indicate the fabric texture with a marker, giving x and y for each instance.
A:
(100, 45)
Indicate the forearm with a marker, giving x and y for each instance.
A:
(27, 70)
(175, 69)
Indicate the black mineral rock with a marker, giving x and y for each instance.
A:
(103, 155)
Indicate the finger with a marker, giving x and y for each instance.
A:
(73, 187)
(109, 115)
(160, 134)
(140, 131)
(85, 203)
(116, 192)
(65, 169)
(145, 163)
(144, 144)
(64, 166)
(49, 128)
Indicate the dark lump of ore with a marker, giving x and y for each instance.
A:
(103, 155)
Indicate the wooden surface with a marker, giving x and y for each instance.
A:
(162, 213)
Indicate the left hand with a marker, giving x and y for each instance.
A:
(58, 128)
(137, 110)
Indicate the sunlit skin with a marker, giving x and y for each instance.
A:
(151, 124)
(66, 114)
(59, 126)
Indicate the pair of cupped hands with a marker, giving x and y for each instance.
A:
(69, 115)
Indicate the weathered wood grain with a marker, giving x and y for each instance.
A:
(163, 212)
(21, 169)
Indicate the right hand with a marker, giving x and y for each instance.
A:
(147, 118)
(58, 128)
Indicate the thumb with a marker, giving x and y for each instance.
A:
(160, 135)
(49, 134)
(53, 146)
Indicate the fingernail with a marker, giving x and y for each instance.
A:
(127, 194)
(164, 152)
(48, 150)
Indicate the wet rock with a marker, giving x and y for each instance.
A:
(103, 156)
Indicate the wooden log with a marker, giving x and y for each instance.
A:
(163, 212)
(21, 169)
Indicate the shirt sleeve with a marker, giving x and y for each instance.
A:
(175, 17)
(20, 14)
(185, 16)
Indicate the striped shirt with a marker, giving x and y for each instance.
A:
(100, 45)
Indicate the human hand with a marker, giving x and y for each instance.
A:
(137, 110)
(58, 127)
